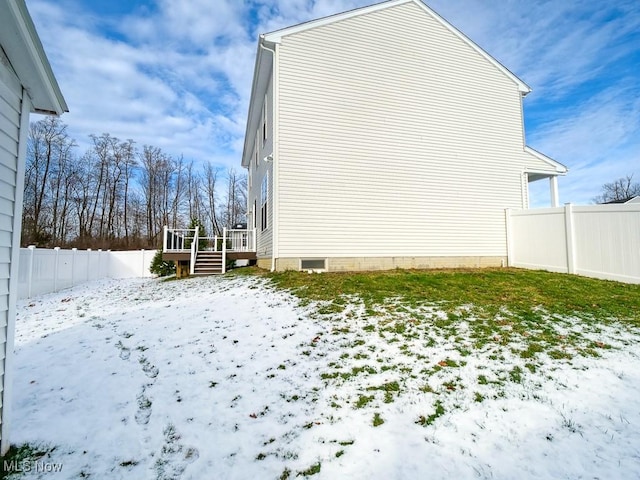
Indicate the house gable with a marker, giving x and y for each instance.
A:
(267, 43)
(278, 35)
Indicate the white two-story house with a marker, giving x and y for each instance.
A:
(381, 138)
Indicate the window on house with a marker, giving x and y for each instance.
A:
(255, 156)
(313, 264)
(264, 196)
(264, 121)
(255, 214)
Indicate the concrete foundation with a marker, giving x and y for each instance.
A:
(354, 264)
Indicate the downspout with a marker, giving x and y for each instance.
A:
(274, 176)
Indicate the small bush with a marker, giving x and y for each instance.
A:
(161, 267)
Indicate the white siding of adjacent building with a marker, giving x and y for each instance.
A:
(14, 114)
(395, 138)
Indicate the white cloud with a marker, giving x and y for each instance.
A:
(599, 141)
(177, 74)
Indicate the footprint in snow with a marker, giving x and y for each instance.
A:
(149, 370)
(125, 352)
(143, 414)
(174, 457)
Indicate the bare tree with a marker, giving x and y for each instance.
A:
(620, 190)
(115, 196)
(211, 194)
(161, 189)
(236, 200)
(48, 158)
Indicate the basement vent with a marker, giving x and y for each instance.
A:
(313, 264)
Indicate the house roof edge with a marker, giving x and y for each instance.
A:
(24, 49)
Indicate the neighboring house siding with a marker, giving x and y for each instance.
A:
(395, 138)
(257, 173)
(11, 185)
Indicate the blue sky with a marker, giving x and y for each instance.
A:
(177, 73)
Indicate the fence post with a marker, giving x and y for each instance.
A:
(108, 267)
(568, 222)
(32, 249)
(88, 264)
(99, 269)
(507, 219)
(56, 268)
(73, 265)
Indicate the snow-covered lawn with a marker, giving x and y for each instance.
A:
(229, 378)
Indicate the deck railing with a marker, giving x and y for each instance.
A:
(188, 240)
(178, 239)
(241, 240)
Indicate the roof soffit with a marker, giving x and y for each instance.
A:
(22, 46)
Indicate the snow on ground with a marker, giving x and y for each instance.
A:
(229, 378)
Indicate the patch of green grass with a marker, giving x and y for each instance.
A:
(286, 473)
(516, 374)
(339, 453)
(377, 420)
(426, 421)
(389, 389)
(426, 388)
(489, 290)
(363, 400)
(504, 311)
(557, 354)
(478, 397)
(532, 350)
(312, 470)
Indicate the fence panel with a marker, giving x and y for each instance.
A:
(607, 241)
(130, 264)
(49, 270)
(601, 241)
(539, 239)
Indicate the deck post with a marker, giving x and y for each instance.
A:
(165, 239)
(194, 251)
(224, 249)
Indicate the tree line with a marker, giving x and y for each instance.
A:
(618, 191)
(117, 195)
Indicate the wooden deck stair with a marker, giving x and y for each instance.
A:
(208, 263)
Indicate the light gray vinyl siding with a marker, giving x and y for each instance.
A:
(10, 108)
(396, 138)
(264, 244)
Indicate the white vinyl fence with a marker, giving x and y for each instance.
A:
(601, 241)
(49, 270)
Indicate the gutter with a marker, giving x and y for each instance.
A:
(274, 175)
